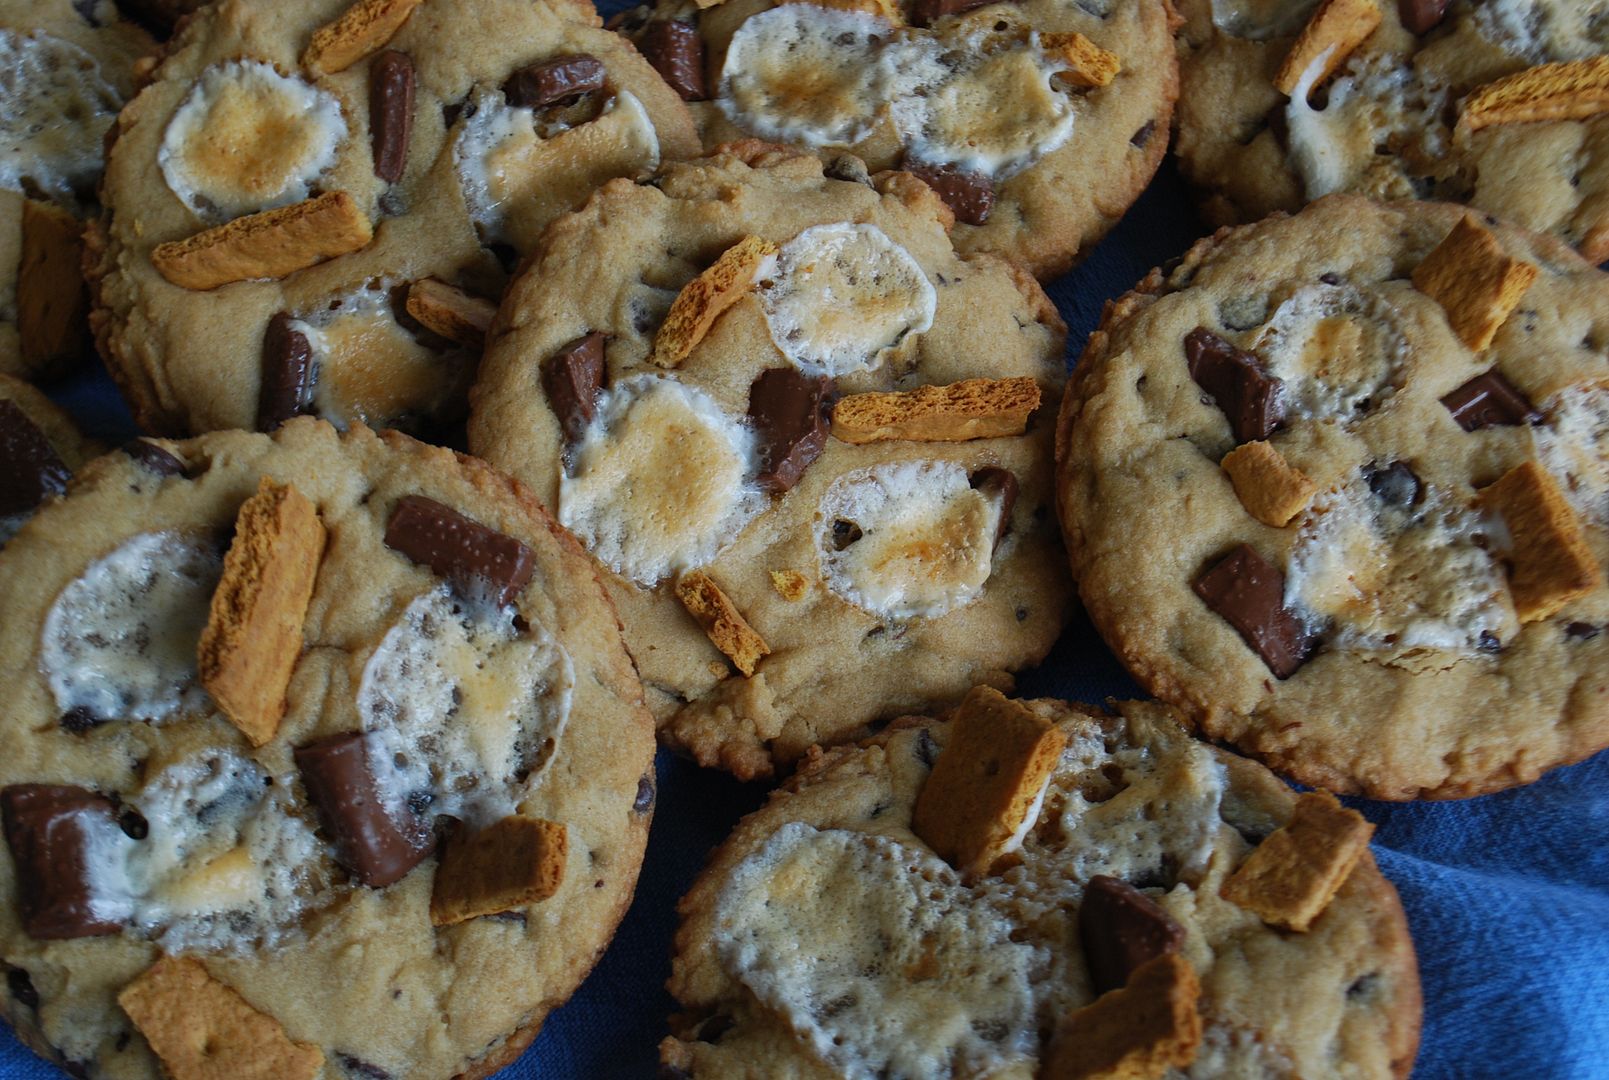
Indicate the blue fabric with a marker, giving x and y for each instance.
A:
(1508, 895)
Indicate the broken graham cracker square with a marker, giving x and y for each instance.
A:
(703, 299)
(204, 1030)
(1338, 26)
(970, 409)
(51, 298)
(1476, 283)
(1293, 875)
(254, 628)
(272, 244)
(987, 784)
(1550, 562)
(361, 29)
(1137, 1032)
(1270, 488)
(507, 865)
(1088, 65)
(1577, 90)
(727, 628)
(450, 313)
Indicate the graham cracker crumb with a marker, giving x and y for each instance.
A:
(1136, 1032)
(706, 297)
(970, 409)
(1577, 90)
(1088, 65)
(790, 584)
(272, 244)
(451, 313)
(362, 29)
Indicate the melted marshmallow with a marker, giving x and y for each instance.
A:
(1573, 445)
(55, 108)
(1337, 350)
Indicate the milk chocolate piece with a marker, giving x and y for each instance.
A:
(553, 81)
(461, 550)
(1248, 397)
(368, 840)
(571, 379)
(1395, 483)
(152, 458)
(391, 82)
(790, 412)
(1421, 16)
(1489, 400)
(1121, 928)
(30, 468)
(1001, 483)
(969, 195)
(928, 12)
(47, 828)
(1249, 594)
(287, 373)
(677, 53)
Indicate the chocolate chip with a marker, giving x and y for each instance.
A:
(644, 801)
(1363, 986)
(152, 458)
(1121, 928)
(677, 52)
(48, 828)
(927, 12)
(460, 549)
(21, 985)
(1490, 642)
(571, 378)
(844, 533)
(1002, 484)
(358, 1067)
(927, 750)
(552, 81)
(1248, 397)
(287, 374)
(1143, 136)
(1581, 631)
(30, 468)
(133, 823)
(969, 195)
(368, 841)
(789, 411)
(1489, 400)
(1395, 483)
(391, 83)
(711, 1030)
(1249, 594)
(79, 719)
(1330, 278)
(1420, 16)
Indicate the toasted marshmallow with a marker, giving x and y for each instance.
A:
(663, 480)
(55, 107)
(841, 295)
(247, 138)
(1336, 349)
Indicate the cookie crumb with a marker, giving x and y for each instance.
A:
(790, 584)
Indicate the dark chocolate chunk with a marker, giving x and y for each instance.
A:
(287, 386)
(355, 1066)
(152, 458)
(571, 378)
(1142, 136)
(1395, 483)
(1121, 928)
(48, 828)
(1489, 400)
(644, 801)
(1249, 594)
(21, 985)
(133, 823)
(79, 719)
(928, 12)
(789, 411)
(555, 80)
(368, 840)
(677, 53)
(969, 195)
(1248, 397)
(460, 549)
(1582, 631)
(1421, 16)
(391, 82)
(1489, 642)
(30, 468)
(1001, 483)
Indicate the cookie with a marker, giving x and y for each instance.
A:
(1113, 935)
(325, 758)
(286, 185)
(663, 375)
(1038, 123)
(1502, 106)
(40, 448)
(1337, 485)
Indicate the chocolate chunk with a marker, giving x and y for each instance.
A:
(355, 1066)
(30, 468)
(1143, 136)
(391, 82)
(1489, 400)
(1249, 398)
(368, 840)
(1581, 631)
(461, 550)
(21, 985)
(152, 458)
(644, 801)
(552, 81)
(970, 195)
(48, 830)
(1250, 594)
(571, 378)
(1001, 483)
(928, 12)
(287, 386)
(1421, 16)
(133, 823)
(677, 53)
(1395, 483)
(1121, 928)
(790, 412)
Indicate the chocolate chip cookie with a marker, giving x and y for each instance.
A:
(324, 758)
(313, 209)
(809, 442)
(1497, 105)
(1337, 485)
(1038, 123)
(1043, 889)
(40, 447)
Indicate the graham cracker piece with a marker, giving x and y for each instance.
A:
(970, 409)
(1577, 90)
(204, 1030)
(1339, 26)
(1088, 65)
(721, 620)
(1136, 1032)
(254, 628)
(1550, 562)
(989, 778)
(1474, 280)
(51, 298)
(703, 299)
(451, 313)
(361, 29)
(1291, 877)
(507, 865)
(1270, 488)
(790, 584)
(271, 244)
